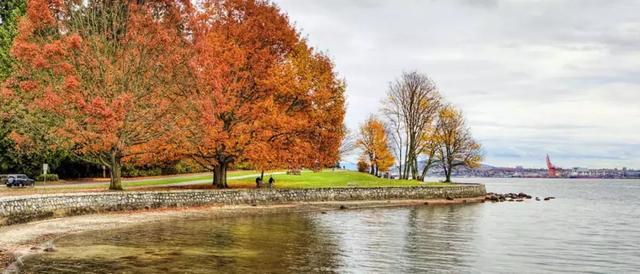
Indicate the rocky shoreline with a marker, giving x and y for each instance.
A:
(23, 240)
(512, 197)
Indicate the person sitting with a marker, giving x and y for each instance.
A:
(271, 182)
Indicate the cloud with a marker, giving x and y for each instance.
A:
(532, 76)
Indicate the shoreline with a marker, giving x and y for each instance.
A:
(22, 240)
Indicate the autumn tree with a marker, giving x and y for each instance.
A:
(411, 107)
(430, 145)
(363, 164)
(261, 95)
(374, 145)
(17, 153)
(107, 73)
(456, 146)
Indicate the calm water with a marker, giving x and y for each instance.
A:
(592, 226)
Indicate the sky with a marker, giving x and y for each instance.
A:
(531, 76)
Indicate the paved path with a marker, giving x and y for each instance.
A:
(185, 183)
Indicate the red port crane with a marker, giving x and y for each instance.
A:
(551, 167)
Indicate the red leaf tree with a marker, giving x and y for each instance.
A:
(262, 96)
(108, 71)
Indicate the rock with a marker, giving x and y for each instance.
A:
(35, 248)
(519, 200)
(549, 198)
(537, 199)
(50, 249)
(449, 198)
(343, 207)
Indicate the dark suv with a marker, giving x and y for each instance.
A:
(20, 180)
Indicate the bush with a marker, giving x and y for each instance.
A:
(179, 167)
(133, 171)
(182, 167)
(50, 177)
(363, 166)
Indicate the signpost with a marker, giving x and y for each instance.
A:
(45, 169)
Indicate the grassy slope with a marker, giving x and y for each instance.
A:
(331, 179)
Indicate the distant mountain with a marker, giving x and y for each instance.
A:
(486, 167)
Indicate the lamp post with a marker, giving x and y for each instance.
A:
(45, 169)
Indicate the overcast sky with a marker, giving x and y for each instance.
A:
(532, 77)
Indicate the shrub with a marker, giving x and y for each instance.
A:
(363, 166)
(50, 177)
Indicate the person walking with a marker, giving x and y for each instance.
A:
(271, 182)
(258, 182)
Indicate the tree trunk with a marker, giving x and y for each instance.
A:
(415, 169)
(400, 166)
(426, 168)
(116, 172)
(405, 171)
(224, 176)
(448, 170)
(262, 175)
(217, 176)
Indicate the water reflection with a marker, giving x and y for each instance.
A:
(593, 226)
(280, 243)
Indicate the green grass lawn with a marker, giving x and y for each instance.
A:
(326, 179)
(167, 181)
(308, 179)
(145, 182)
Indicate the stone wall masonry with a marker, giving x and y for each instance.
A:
(21, 209)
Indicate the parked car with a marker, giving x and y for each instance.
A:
(19, 180)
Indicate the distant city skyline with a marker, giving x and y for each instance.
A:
(532, 77)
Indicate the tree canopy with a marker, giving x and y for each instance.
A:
(222, 83)
(374, 145)
(261, 95)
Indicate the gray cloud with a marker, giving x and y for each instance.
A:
(533, 77)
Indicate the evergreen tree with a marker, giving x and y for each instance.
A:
(10, 13)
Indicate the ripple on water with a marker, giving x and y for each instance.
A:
(592, 227)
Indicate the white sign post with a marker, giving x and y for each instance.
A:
(45, 168)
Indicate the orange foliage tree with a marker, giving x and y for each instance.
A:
(374, 144)
(108, 72)
(261, 95)
(456, 147)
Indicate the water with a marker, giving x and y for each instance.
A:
(592, 227)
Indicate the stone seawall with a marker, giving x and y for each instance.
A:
(23, 209)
